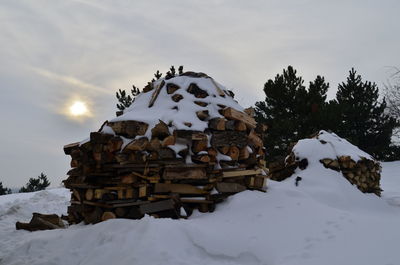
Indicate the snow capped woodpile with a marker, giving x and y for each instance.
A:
(335, 153)
(183, 144)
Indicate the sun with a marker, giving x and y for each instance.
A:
(78, 108)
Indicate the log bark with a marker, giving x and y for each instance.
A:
(229, 138)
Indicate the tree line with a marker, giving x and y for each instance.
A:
(41, 182)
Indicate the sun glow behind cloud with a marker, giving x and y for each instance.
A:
(79, 108)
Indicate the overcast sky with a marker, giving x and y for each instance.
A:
(55, 52)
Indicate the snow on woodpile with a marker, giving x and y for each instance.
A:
(183, 144)
(334, 153)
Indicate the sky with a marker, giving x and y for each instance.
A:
(55, 52)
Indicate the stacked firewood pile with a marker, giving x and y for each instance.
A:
(130, 168)
(364, 173)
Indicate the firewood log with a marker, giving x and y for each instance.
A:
(166, 153)
(177, 97)
(254, 139)
(202, 115)
(233, 152)
(129, 129)
(69, 147)
(169, 140)
(233, 114)
(244, 153)
(201, 103)
(154, 145)
(199, 146)
(228, 138)
(171, 88)
(138, 145)
(160, 131)
(230, 125)
(224, 149)
(240, 126)
(197, 91)
(201, 158)
(217, 124)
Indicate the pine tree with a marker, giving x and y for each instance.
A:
(126, 100)
(362, 117)
(290, 110)
(36, 184)
(4, 190)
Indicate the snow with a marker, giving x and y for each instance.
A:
(186, 112)
(327, 145)
(324, 220)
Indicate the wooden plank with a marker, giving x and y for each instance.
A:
(158, 206)
(219, 90)
(83, 186)
(225, 187)
(233, 114)
(156, 93)
(238, 173)
(129, 204)
(97, 204)
(177, 188)
(184, 173)
(184, 200)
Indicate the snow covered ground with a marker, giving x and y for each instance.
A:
(323, 221)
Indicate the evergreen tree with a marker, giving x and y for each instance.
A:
(290, 110)
(362, 117)
(4, 190)
(126, 100)
(36, 184)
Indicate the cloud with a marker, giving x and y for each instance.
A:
(73, 81)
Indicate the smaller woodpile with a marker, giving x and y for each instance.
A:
(130, 168)
(364, 173)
